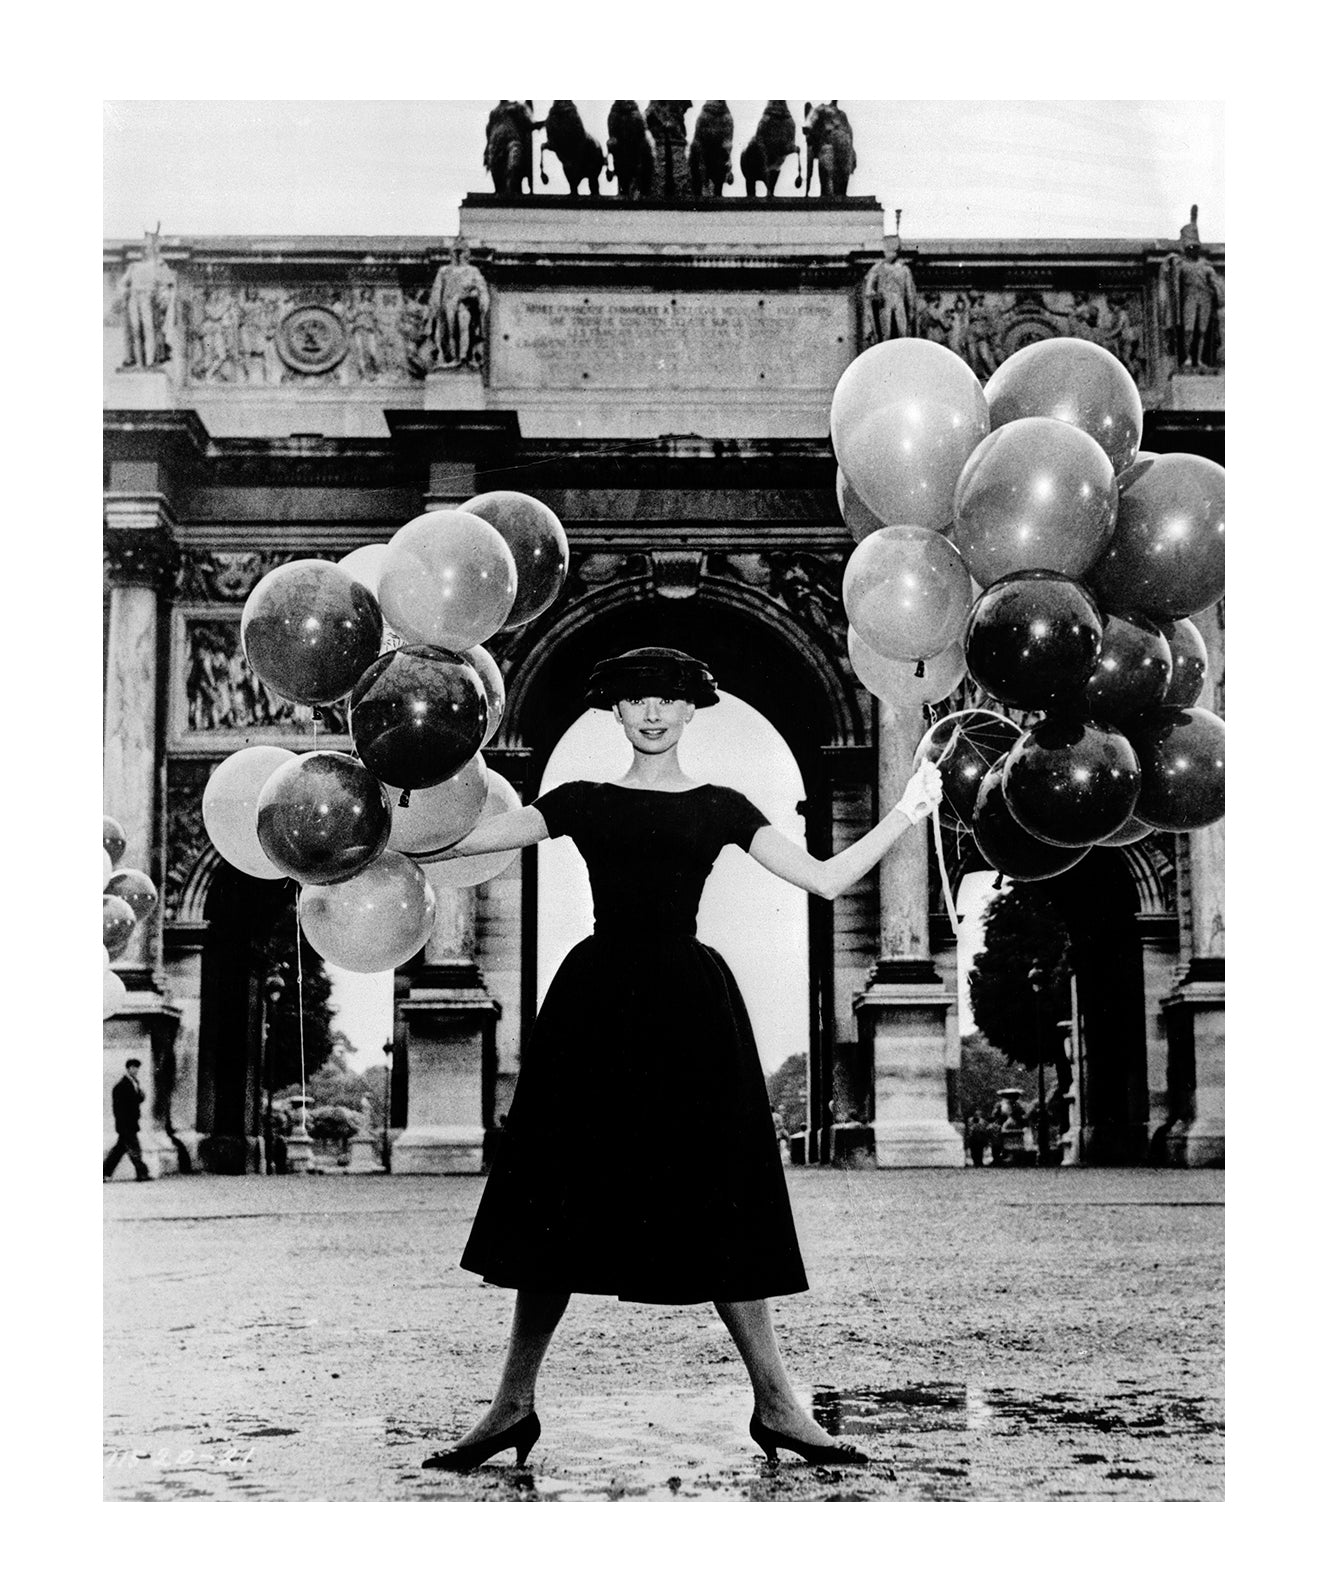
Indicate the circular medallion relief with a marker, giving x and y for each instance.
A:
(311, 339)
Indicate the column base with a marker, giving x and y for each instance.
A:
(1195, 1018)
(902, 1014)
(363, 1159)
(439, 1150)
(918, 1144)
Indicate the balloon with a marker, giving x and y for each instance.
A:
(1071, 783)
(895, 680)
(448, 580)
(1033, 636)
(907, 592)
(538, 544)
(113, 839)
(1188, 664)
(114, 993)
(854, 512)
(105, 959)
(964, 746)
(374, 921)
(417, 714)
(1130, 833)
(1005, 845)
(117, 923)
(364, 565)
(1078, 382)
(309, 630)
(1037, 495)
(107, 867)
(1168, 556)
(1133, 670)
(461, 872)
(905, 417)
(132, 885)
(1182, 752)
(440, 815)
(322, 818)
(486, 667)
(228, 807)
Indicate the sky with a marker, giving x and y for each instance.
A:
(956, 168)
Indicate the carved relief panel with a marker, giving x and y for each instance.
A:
(986, 326)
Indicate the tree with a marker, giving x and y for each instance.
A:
(984, 1070)
(786, 1092)
(1022, 932)
(296, 1027)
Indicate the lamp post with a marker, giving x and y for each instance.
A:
(274, 987)
(386, 1142)
(1038, 982)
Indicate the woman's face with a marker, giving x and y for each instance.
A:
(653, 724)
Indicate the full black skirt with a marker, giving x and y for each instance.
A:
(640, 1158)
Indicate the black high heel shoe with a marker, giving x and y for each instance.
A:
(520, 1436)
(834, 1454)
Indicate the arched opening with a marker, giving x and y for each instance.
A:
(758, 923)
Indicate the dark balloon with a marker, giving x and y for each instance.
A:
(1168, 556)
(1007, 847)
(1037, 495)
(1188, 664)
(1071, 783)
(117, 923)
(1133, 670)
(113, 839)
(977, 738)
(132, 885)
(1033, 637)
(1130, 833)
(1182, 752)
(538, 544)
(322, 817)
(1078, 382)
(309, 629)
(417, 715)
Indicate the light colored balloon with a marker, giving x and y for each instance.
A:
(365, 564)
(906, 592)
(228, 807)
(486, 667)
(374, 921)
(439, 815)
(859, 519)
(897, 682)
(906, 416)
(1076, 381)
(107, 867)
(114, 995)
(448, 579)
(461, 872)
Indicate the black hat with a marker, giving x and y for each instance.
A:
(651, 672)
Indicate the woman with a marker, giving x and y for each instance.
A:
(693, 1213)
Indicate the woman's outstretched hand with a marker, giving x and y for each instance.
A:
(922, 794)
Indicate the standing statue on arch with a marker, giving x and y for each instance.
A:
(1192, 300)
(890, 300)
(146, 295)
(459, 310)
(666, 121)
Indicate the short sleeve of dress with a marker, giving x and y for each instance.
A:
(741, 819)
(564, 808)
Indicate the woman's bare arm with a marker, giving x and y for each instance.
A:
(827, 876)
(509, 831)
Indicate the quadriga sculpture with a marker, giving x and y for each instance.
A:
(578, 153)
(711, 149)
(630, 150)
(666, 120)
(830, 145)
(764, 155)
(508, 138)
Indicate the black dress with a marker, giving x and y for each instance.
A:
(640, 1158)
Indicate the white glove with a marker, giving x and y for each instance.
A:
(922, 794)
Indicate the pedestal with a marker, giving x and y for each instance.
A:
(902, 1017)
(452, 1065)
(1195, 1021)
(455, 390)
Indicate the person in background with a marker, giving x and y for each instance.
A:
(126, 1100)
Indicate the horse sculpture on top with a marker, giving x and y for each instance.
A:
(711, 149)
(829, 144)
(578, 153)
(630, 150)
(767, 151)
(509, 134)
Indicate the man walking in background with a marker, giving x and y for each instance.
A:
(126, 1100)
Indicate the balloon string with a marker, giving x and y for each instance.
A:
(301, 1020)
(952, 915)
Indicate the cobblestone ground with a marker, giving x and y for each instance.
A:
(985, 1334)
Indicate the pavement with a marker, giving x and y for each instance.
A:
(993, 1334)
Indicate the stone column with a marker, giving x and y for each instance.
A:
(449, 1020)
(140, 556)
(903, 1011)
(1195, 1007)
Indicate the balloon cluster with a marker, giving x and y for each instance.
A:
(128, 896)
(398, 629)
(1015, 534)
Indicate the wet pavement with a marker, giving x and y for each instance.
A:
(984, 1335)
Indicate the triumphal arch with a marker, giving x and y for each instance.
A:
(660, 373)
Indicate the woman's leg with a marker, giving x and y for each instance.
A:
(534, 1319)
(751, 1327)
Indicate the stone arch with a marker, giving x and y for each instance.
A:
(196, 887)
(1154, 876)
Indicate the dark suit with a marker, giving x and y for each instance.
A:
(126, 1101)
